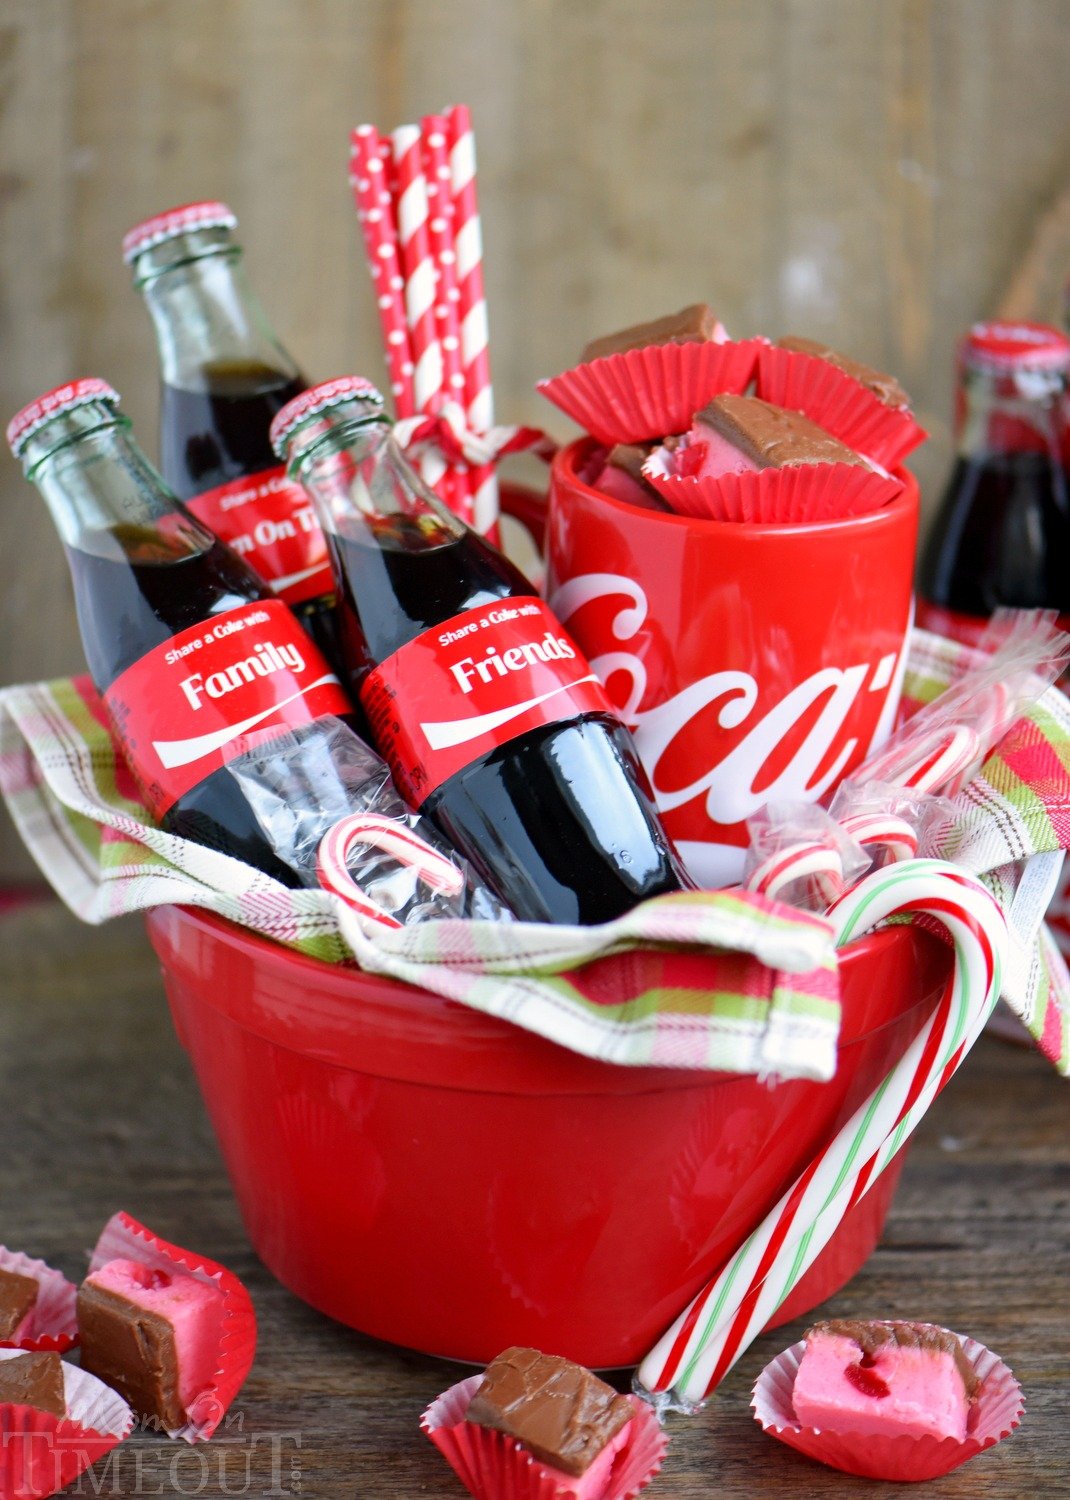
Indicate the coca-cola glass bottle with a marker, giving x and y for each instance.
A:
(189, 650)
(1002, 533)
(224, 376)
(492, 722)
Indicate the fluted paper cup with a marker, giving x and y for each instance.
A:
(41, 1454)
(493, 1466)
(650, 393)
(995, 1413)
(53, 1326)
(123, 1238)
(799, 494)
(839, 403)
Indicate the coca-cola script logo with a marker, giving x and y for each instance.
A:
(720, 748)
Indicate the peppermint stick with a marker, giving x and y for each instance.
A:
(468, 240)
(710, 1335)
(371, 193)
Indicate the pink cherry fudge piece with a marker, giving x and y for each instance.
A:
(571, 1422)
(152, 1335)
(741, 434)
(892, 1379)
(622, 477)
(18, 1299)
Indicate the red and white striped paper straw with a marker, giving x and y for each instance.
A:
(475, 352)
(719, 1324)
(440, 224)
(374, 201)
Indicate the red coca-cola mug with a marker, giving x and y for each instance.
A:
(751, 662)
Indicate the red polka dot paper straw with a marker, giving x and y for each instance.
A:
(374, 201)
(710, 1334)
(479, 397)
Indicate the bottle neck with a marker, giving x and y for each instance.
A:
(362, 483)
(207, 318)
(1002, 412)
(103, 494)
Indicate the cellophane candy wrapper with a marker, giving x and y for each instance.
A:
(493, 1466)
(40, 1454)
(53, 1325)
(302, 784)
(799, 493)
(123, 1238)
(643, 394)
(799, 854)
(944, 744)
(839, 403)
(995, 1413)
(890, 822)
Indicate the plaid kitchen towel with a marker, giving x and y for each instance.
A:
(1010, 826)
(718, 980)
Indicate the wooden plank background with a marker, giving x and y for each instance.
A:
(874, 175)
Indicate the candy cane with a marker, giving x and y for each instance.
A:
(821, 862)
(883, 830)
(926, 761)
(709, 1336)
(393, 838)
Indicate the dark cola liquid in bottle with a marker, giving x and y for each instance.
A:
(1002, 533)
(189, 650)
(224, 376)
(493, 724)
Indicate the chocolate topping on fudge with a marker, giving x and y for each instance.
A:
(34, 1380)
(133, 1351)
(630, 458)
(872, 1337)
(697, 324)
(885, 387)
(18, 1294)
(560, 1411)
(771, 437)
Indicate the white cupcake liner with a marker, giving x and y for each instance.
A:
(53, 1324)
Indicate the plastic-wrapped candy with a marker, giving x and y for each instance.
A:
(327, 805)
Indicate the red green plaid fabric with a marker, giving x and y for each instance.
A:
(721, 980)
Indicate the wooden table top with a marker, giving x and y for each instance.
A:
(101, 1112)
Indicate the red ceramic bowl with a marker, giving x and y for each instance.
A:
(448, 1182)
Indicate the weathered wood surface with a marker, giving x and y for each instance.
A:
(868, 174)
(100, 1112)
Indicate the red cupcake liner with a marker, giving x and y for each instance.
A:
(495, 1467)
(802, 493)
(41, 1454)
(123, 1238)
(649, 393)
(53, 1323)
(838, 403)
(995, 1413)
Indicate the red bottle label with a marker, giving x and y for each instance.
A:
(271, 523)
(181, 710)
(485, 677)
